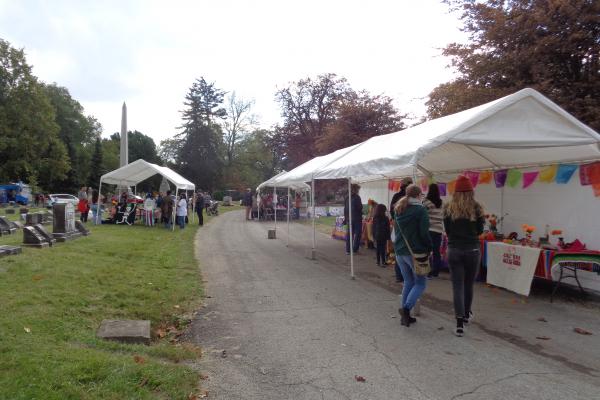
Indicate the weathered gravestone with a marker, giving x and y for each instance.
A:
(10, 211)
(42, 231)
(5, 227)
(126, 331)
(17, 224)
(32, 238)
(23, 210)
(81, 228)
(9, 250)
(63, 224)
(33, 219)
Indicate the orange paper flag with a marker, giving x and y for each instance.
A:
(485, 177)
(596, 187)
(451, 186)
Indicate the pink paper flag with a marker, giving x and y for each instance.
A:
(473, 177)
(529, 178)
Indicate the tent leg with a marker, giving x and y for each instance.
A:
(288, 217)
(98, 209)
(312, 201)
(193, 204)
(350, 226)
(275, 208)
(174, 213)
(258, 205)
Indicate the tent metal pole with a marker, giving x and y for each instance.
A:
(288, 217)
(312, 200)
(502, 209)
(275, 207)
(193, 203)
(258, 205)
(98, 203)
(350, 228)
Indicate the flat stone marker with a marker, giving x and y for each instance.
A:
(9, 250)
(47, 236)
(33, 219)
(81, 228)
(125, 331)
(17, 224)
(271, 234)
(32, 238)
(10, 211)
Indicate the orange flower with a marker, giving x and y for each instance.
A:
(557, 232)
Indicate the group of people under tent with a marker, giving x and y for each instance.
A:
(420, 223)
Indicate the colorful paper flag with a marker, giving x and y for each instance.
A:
(514, 177)
(596, 188)
(390, 184)
(565, 172)
(548, 174)
(451, 187)
(529, 178)
(589, 174)
(473, 177)
(500, 177)
(442, 187)
(485, 177)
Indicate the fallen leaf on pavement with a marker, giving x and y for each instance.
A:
(28, 330)
(139, 359)
(359, 378)
(582, 331)
(542, 337)
(514, 301)
(542, 319)
(224, 354)
(441, 328)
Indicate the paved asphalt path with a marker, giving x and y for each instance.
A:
(278, 325)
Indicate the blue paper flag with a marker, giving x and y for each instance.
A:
(565, 172)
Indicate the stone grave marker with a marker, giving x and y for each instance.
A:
(125, 331)
(81, 228)
(9, 250)
(17, 224)
(32, 238)
(5, 227)
(33, 219)
(10, 211)
(42, 231)
(23, 210)
(63, 222)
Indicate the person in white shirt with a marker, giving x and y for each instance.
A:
(181, 211)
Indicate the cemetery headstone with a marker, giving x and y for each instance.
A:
(82, 229)
(42, 231)
(33, 219)
(32, 238)
(16, 224)
(5, 227)
(63, 222)
(10, 211)
(23, 210)
(126, 331)
(9, 250)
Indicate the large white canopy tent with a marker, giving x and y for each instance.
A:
(520, 130)
(140, 170)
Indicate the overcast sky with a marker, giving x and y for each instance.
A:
(148, 53)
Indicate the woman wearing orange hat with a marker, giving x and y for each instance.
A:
(463, 223)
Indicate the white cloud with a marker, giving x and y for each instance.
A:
(148, 54)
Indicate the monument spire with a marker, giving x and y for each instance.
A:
(124, 159)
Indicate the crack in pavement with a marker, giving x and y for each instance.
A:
(505, 378)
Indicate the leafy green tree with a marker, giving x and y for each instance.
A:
(550, 45)
(96, 166)
(169, 150)
(29, 143)
(77, 132)
(256, 161)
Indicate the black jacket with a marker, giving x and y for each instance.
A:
(199, 202)
(381, 228)
(356, 209)
(397, 196)
(247, 201)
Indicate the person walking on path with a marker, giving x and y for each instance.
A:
(381, 233)
(166, 208)
(247, 202)
(181, 211)
(395, 198)
(200, 208)
(433, 204)
(412, 222)
(463, 222)
(356, 219)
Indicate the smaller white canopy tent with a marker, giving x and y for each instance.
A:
(298, 186)
(140, 170)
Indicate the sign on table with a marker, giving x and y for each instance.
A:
(511, 267)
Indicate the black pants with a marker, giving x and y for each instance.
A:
(464, 265)
(200, 216)
(380, 250)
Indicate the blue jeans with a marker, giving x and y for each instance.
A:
(414, 285)
(436, 258)
(181, 221)
(356, 235)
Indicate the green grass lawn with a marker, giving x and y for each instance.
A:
(53, 300)
(322, 224)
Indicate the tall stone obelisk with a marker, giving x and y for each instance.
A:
(124, 159)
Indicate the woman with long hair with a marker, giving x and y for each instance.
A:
(463, 222)
(433, 204)
(412, 222)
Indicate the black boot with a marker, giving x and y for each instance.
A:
(405, 320)
(460, 328)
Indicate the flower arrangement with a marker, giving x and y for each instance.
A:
(528, 230)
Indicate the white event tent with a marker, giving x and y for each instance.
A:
(140, 170)
(521, 130)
